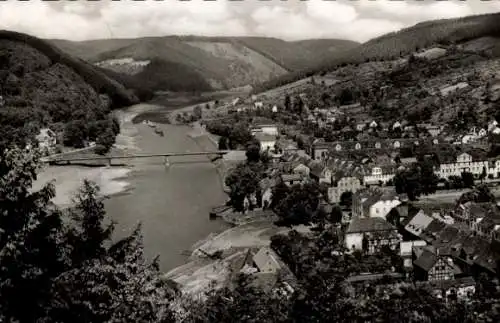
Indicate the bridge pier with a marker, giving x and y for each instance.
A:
(109, 161)
(166, 162)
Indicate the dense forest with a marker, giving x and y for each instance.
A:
(42, 87)
(406, 41)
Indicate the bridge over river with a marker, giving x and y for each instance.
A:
(68, 158)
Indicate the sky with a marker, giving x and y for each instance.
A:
(358, 20)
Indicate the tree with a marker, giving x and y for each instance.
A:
(71, 271)
(223, 143)
(105, 141)
(197, 113)
(253, 152)
(32, 251)
(245, 303)
(75, 134)
(467, 179)
(346, 199)
(299, 205)
(243, 181)
(87, 234)
(287, 103)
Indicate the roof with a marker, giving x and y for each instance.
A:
(265, 257)
(264, 137)
(406, 247)
(426, 260)
(316, 169)
(431, 231)
(361, 225)
(418, 223)
(291, 177)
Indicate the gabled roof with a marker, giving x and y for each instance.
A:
(432, 230)
(265, 257)
(426, 260)
(362, 225)
(418, 223)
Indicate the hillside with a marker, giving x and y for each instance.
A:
(191, 63)
(476, 33)
(43, 86)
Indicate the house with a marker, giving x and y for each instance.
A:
(434, 131)
(344, 184)
(266, 261)
(373, 203)
(465, 163)
(370, 235)
(492, 125)
(258, 104)
(47, 140)
(319, 150)
(235, 101)
(481, 133)
(301, 169)
(417, 224)
(380, 175)
(291, 179)
(320, 173)
(274, 109)
(373, 124)
(269, 129)
(408, 160)
(461, 288)
(406, 252)
(360, 126)
(396, 125)
(267, 141)
(433, 263)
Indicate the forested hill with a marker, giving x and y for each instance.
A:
(475, 33)
(194, 63)
(42, 86)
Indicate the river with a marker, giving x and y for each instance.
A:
(171, 203)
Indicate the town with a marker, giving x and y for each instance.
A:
(421, 192)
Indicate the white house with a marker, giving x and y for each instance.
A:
(258, 104)
(46, 139)
(373, 124)
(267, 141)
(464, 163)
(373, 203)
(360, 126)
(396, 125)
(370, 235)
(383, 206)
(275, 109)
(379, 175)
(492, 125)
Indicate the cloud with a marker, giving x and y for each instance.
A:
(319, 20)
(356, 20)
